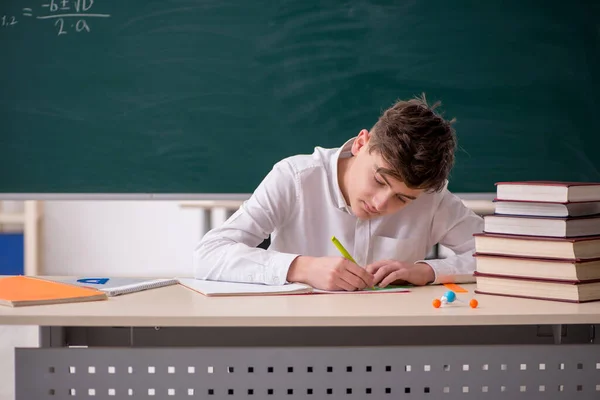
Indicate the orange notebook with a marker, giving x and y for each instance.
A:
(16, 291)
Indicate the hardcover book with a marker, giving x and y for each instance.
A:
(542, 289)
(542, 226)
(539, 268)
(546, 209)
(584, 247)
(555, 191)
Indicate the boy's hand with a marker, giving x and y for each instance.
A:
(387, 272)
(329, 273)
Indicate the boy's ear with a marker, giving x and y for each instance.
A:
(361, 141)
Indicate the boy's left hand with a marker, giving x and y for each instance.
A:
(387, 272)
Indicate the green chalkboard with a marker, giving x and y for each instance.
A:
(203, 96)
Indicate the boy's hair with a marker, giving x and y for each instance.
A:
(416, 142)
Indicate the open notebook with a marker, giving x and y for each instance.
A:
(213, 288)
(116, 286)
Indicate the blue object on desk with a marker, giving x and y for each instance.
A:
(450, 296)
(11, 254)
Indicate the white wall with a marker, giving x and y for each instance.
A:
(11, 207)
(119, 238)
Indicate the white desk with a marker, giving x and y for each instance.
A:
(179, 344)
(177, 306)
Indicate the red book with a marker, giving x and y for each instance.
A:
(546, 208)
(585, 247)
(541, 289)
(548, 191)
(542, 226)
(575, 270)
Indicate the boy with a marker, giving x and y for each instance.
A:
(382, 194)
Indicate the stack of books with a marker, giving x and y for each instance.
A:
(542, 242)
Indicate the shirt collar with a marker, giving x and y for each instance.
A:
(343, 152)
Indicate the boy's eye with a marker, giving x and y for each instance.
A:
(378, 181)
(401, 199)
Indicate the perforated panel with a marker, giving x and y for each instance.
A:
(415, 372)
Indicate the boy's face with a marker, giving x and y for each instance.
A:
(370, 193)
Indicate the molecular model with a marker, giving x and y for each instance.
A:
(450, 297)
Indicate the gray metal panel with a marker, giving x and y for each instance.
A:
(412, 372)
(323, 336)
(52, 336)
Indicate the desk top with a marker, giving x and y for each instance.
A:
(179, 306)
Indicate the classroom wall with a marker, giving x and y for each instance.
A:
(11, 207)
(119, 238)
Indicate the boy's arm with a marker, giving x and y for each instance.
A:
(229, 253)
(453, 226)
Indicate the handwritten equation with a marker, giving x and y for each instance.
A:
(67, 16)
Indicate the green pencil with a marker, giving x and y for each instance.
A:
(342, 250)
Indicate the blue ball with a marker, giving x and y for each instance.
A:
(450, 296)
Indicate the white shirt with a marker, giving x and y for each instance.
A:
(301, 205)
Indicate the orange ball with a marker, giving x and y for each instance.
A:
(437, 303)
(473, 303)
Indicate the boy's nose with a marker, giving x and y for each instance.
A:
(380, 203)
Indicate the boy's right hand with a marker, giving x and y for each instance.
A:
(329, 273)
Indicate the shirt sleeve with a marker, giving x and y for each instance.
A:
(453, 226)
(229, 252)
